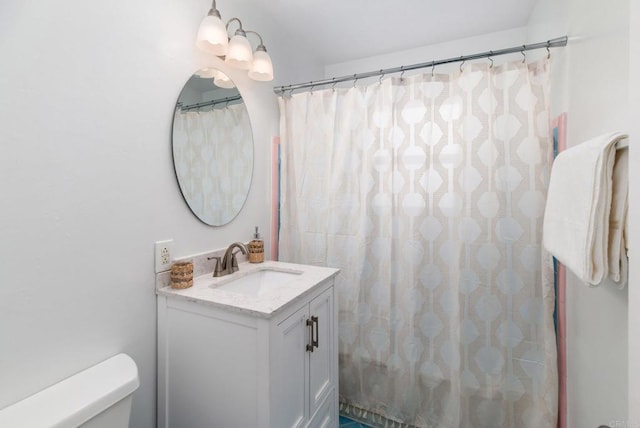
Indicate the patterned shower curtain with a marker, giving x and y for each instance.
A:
(428, 193)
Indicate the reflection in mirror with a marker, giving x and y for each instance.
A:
(212, 147)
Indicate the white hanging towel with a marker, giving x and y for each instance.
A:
(581, 227)
(618, 219)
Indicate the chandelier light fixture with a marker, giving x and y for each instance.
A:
(213, 37)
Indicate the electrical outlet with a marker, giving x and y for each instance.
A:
(164, 255)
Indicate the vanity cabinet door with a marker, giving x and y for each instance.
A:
(303, 382)
(291, 382)
(321, 359)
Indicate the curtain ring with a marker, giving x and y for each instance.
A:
(491, 59)
(381, 76)
(333, 87)
(462, 64)
(433, 67)
(548, 51)
(355, 80)
(401, 73)
(312, 86)
(524, 57)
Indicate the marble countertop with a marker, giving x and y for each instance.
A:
(210, 291)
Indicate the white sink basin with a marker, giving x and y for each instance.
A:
(258, 282)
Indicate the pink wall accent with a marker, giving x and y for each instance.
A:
(275, 195)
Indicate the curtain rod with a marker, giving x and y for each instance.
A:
(552, 43)
(208, 103)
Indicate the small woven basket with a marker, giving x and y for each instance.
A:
(182, 275)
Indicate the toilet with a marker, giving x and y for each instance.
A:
(98, 397)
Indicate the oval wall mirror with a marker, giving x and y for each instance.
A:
(212, 147)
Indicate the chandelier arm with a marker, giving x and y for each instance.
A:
(261, 45)
(214, 10)
(239, 23)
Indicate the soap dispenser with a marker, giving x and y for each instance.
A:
(256, 248)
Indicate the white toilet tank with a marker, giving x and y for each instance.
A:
(98, 397)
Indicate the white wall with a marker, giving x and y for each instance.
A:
(634, 213)
(451, 49)
(591, 80)
(87, 181)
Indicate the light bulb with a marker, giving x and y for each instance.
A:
(261, 68)
(212, 36)
(239, 54)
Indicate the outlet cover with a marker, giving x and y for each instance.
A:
(164, 255)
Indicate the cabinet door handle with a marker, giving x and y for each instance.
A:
(310, 345)
(314, 342)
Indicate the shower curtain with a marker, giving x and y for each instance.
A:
(213, 159)
(428, 193)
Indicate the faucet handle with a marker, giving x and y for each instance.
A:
(217, 266)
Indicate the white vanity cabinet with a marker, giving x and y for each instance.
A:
(224, 367)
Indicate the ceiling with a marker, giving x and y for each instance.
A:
(343, 30)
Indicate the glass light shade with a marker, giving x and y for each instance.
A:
(206, 73)
(221, 80)
(261, 68)
(212, 36)
(239, 54)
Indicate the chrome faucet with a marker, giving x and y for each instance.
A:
(229, 263)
